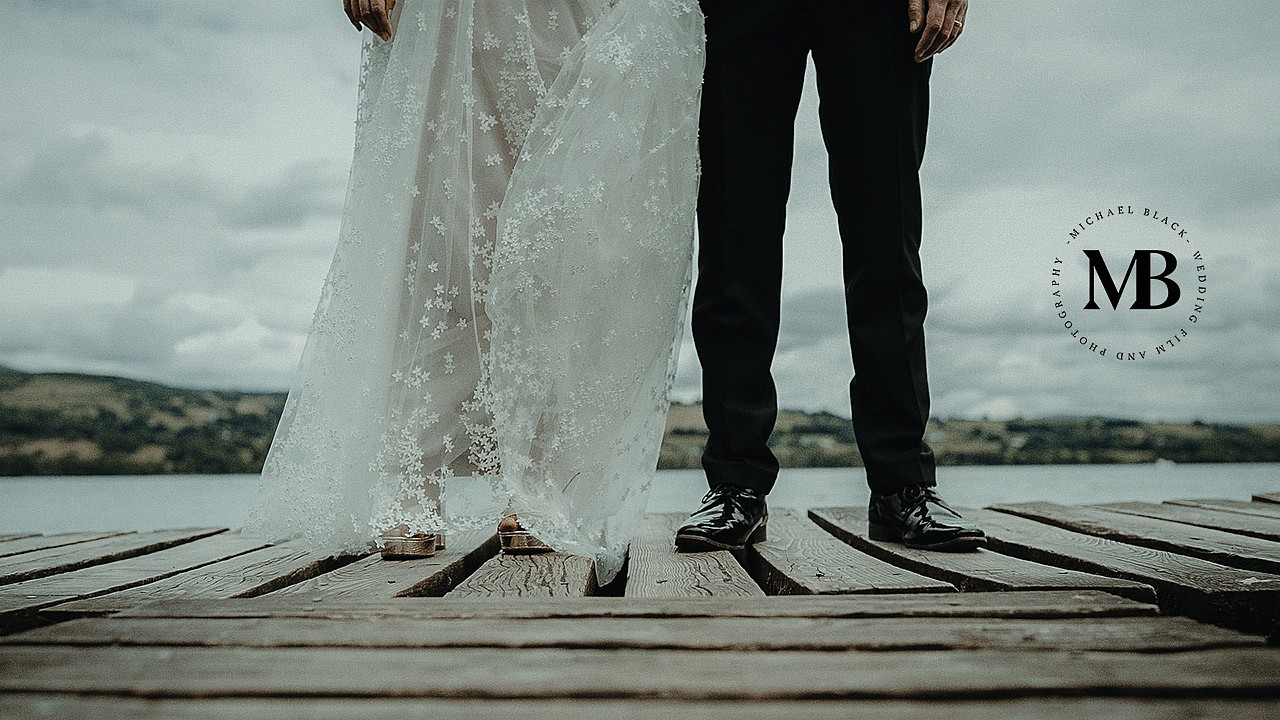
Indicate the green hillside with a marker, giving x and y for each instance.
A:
(69, 424)
(826, 440)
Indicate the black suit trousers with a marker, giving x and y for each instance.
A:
(874, 111)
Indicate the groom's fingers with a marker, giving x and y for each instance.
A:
(960, 16)
(949, 26)
(930, 36)
(943, 23)
(915, 14)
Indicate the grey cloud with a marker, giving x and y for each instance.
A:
(1041, 378)
(304, 190)
(78, 172)
(143, 330)
(1161, 96)
(811, 317)
(85, 171)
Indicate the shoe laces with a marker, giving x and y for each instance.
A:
(733, 491)
(916, 496)
(929, 494)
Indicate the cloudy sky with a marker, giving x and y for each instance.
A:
(172, 177)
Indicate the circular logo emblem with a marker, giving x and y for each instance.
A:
(1129, 284)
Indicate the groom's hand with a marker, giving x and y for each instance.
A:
(942, 22)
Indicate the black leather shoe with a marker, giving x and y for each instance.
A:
(730, 518)
(916, 517)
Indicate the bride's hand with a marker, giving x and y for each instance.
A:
(374, 13)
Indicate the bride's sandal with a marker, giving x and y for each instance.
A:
(397, 544)
(516, 540)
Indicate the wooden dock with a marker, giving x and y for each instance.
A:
(1123, 610)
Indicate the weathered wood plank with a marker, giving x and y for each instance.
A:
(539, 575)
(1136, 634)
(1215, 545)
(375, 578)
(248, 575)
(1028, 604)
(980, 570)
(73, 707)
(20, 601)
(799, 558)
(1236, 506)
(1186, 585)
(656, 570)
(19, 544)
(686, 674)
(1239, 523)
(64, 558)
(1273, 498)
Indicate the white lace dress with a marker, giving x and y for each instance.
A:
(498, 327)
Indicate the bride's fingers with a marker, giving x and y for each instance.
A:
(388, 6)
(378, 18)
(365, 12)
(351, 14)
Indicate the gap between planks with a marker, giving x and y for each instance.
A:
(1239, 523)
(1229, 596)
(73, 556)
(977, 570)
(19, 602)
(800, 558)
(1217, 546)
(373, 578)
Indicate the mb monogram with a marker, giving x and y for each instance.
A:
(1130, 285)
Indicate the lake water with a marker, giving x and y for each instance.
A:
(59, 504)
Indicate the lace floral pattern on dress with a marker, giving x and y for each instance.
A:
(498, 326)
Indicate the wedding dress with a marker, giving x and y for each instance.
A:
(498, 328)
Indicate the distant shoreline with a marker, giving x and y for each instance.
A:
(74, 424)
